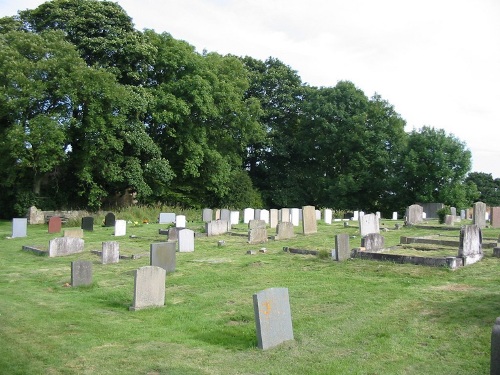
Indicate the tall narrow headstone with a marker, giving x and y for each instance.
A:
(120, 228)
(207, 215)
(248, 214)
(495, 348)
(235, 218)
(318, 215)
(109, 220)
(285, 215)
(273, 218)
(87, 223)
(163, 254)
(180, 221)
(328, 216)
(309, 223)
(110, 252)
(166, 218)
(185, 240)
(355, 216)
(479, 214)
(470, 248)
(394, 215)
(217, 214)
(264, 215)
(81, 273)
(55, 224)
(295, 216)
(342, 249)
(495, 217)
(149, 288)
(19, 227)
(415, 214)
(368, 224)
(273, 318)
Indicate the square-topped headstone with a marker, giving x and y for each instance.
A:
(180, 221)
(185, 240)
(285, 215)
(120, 228)
(248, 214)
(149, 288)
(470, 248)
(495, 217)
(284, 231)
(342, 249)
(225, 214)
(110, 252)
(264, 215)
(368, 223)
(273, 318)
(88, 223)
(109, 220)
(19, 227)
(163, 254)
(309, 223)
(479, 214)
(273, 218)
(81, 273)
(235, 218)
(328, 216)
(415, 214)
(62, 246)
(217, 227)
(55, 224)
(207, 215)
(166, 218)
(295, 216)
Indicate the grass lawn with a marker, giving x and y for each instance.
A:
(352, 317)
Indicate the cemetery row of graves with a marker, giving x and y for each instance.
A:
(272, 311)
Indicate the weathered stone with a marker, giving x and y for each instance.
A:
(373, 242)
(368, 223)
(110, 252)
(81, 273)
(414, 214)
(257, 235)
(76, 233)
(63, 246)
(284, 230)
(285, 215)
(449, 220)
(163, 254)
(19, 227)
(309, 223)
(253, 224)
(479, 214)
(342, 248)
(273, 317)
(173, 234)
(217, 227)
(149, 288)
(470, 248)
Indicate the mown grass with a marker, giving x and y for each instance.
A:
(354, 317)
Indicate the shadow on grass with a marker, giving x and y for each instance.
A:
(230, 337)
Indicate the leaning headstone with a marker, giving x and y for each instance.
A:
(120, 228)
(295, 216)
(495, 217)
(163, 254)
(373, 242)
(217, 227)
(495, 348)
(19, 227)
(479, 214)
(342, 249)
(55, 224)
(185, 240)
(87, 223)
(77, 233)
(284, 231)
(180, 221)
(285, 215)
(470, 248)
(207, 215)
(309, 223)
(225, 214)
(109, 220)
(234, 218)
(63, 246)
(81, 273)
(273, 318)
(110, 252)
(415, 214)
(328, 216)
(166, 218)
(273, 218)
(248, 214)
(149, 288)
(368, 223)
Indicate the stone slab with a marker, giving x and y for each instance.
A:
(81, 273)
(163, 254)
(149, 288)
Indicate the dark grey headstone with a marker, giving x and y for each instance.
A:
(109, 220)
(81, 272)
(88, 223)
(163, 254)
(273, 318)
(342, 249)
(495, 348)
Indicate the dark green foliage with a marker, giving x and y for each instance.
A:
(442, 212)
(488, 188)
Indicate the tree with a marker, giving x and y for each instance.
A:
(488, 188)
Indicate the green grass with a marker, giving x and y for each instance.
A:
(354, 317)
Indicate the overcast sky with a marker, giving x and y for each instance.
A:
(436, 61)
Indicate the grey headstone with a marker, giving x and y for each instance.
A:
(431, 209)
(479, 214)
(273, 217)
(185, 240)
(415, 214)
(257, 214)
(368, 223)
(453, 211)
(120, 228)
(342, 248)
(207, 214)
(273, 318)
(373, 242)
(217, 227)
(285, 215)
(149, 288)
(163, 254)
(173, 234)
(253, 224)
(449, 220)
(495, 348)
(257, 235)
(462, 214)
(109, 220)
(470, 248)
(309, 223)
(19, 227)
(88, 223)
(225, 215)
(81, 273)
(284, 231)
(62, 246)
(495, 217)
(110, 252)
(166, 218)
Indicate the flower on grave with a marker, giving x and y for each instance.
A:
(145, 221)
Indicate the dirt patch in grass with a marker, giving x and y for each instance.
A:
(454, 287)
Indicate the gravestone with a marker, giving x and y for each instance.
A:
(120, 228)
(163, 254)
(284, 231)
(373, 242)
(217, 227)
(309, 223)
(110, 252)
(76, 233)
(479, 214)
(149, 288)
(285, 215)
(248, 214)
(55, 224)
(449, 220)
(217, 214)
(180, 221)
(257, 214)
(185, 240)
(453, 211)
(252, 224)
(415, 214)
(431, 209)
(19, 227)
(87, 223)
(295, 216)
(273, 318)
(225, 215)
(207, 215)
(470, 248)
(495, 217)
(368, 223)
(81, 273)
(109, 220)
(394, 215)
(355, 216)
(462, 214)
(173, 234)
(35, 216)
(63, 246)
(495, 348)
(257, 231)
(328, 216)
(318, 215)
(273, 218)
(234, 218)
(264, 215)
(166, 218)
(342, 248)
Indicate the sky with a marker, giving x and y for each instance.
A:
(436, 61)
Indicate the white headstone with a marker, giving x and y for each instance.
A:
(295, 216)
(235, 217)
(356, 216)
(185, 240)
(120, 228)
(368, 224)
(394, 215)
(19, 227)
(248, 214)
(264, 215)
(180, 221)
(318, 214)
(328, 216)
